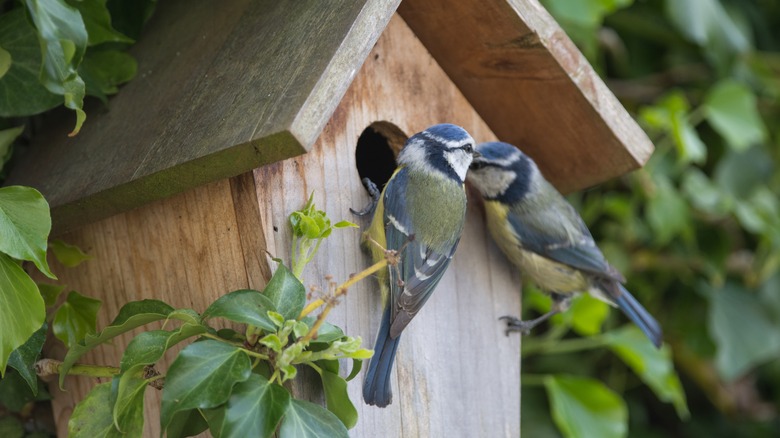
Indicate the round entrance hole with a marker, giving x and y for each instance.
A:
(376, 149)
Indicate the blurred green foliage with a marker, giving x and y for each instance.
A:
(697, 230)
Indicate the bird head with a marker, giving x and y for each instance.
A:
(502, 172)
(445, 149)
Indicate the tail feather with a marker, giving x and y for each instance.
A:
(376, 387)
(639, 316)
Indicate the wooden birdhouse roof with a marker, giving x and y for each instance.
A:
(226, 87)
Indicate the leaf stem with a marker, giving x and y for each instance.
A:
(49, 367)
(341, 290)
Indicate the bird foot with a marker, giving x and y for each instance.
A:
(514, 324)
(374, 192)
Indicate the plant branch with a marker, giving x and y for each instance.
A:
(50, 367)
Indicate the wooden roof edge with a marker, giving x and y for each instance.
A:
(588, 81)
(334, 82)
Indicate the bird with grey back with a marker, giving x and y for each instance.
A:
(420, 214)
(545, 237)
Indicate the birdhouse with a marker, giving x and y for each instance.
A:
(181, 188)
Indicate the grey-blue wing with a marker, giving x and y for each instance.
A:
(420, 268)
(555, 230)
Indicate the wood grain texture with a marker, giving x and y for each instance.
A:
(456, 374)
(222, 88)
(185, 250)
(532, 86)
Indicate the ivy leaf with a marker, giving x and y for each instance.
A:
(22, 310)
(24, 95)
(667, 212)
(92, 415)
(149, 347)
(15, 393)
(63, 41)
(103, 71)
(23, 358)
(189, 423)
(286, 293)
(307, 420)
(25, 223)
(67, 254)
(50, 293)
(128, 409)
(652, 365)
(5, 62)
(255, 408)
(732, 111)
(588, 314)
(740, 346)
(202, 377)
(583, 408)
(327, 332)
(97, 21)
(75, 319)
(245, 306)
(345, 224)
(336, 395)
(131, 315)
(7, 136)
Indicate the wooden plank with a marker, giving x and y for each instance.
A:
(222, 88)
(532, 86)
(185, 250)
(456, 374)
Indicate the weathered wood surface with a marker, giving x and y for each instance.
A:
(222, 88)
(532, 86)
(458, 374)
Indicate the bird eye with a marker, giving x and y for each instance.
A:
(468, 147)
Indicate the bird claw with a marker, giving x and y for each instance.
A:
(374, 192)
(514, 324)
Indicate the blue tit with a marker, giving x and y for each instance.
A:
(542, 234)
(419, 214)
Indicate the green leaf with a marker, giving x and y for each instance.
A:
(24, 95)
(24, 225)
(730, 174)
(22, 310)
(337, 398)
(128, 409)
(667, 212)
(103, 71)
(97, 21)
(707, 23)
(23, 358)
(327, 332)
(254, 409)
(741, 346)
(15, 393)
(652, 365)
(202, 377)
(286, 293)
(345, 224)
(585, 408)
(357, 364)
(702, 192)
(11, 427)
(7, 138)
(63, 41)
(75, 319)
(67, 254)
(732, 111)
(307, 420)
(588, 314)
(129, 16)
(188, 423)
(50, 293)
(92, 415)
(149, 347)
(131, 315)
(5, 62)
(246, 306)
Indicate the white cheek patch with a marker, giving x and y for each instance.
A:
(459, 160)
(492, 181)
